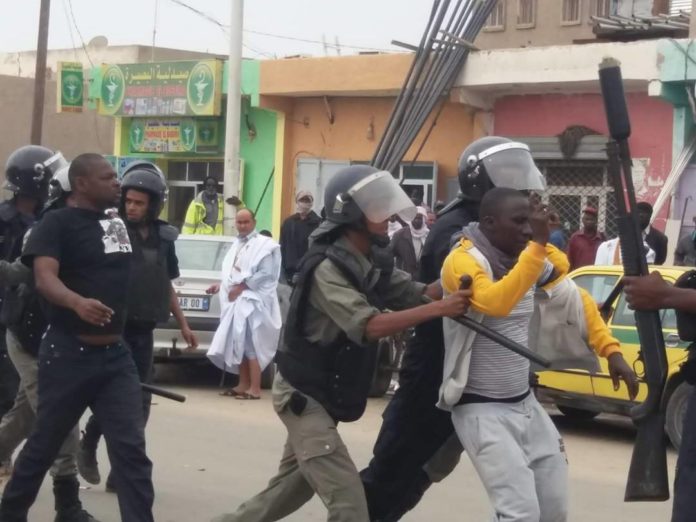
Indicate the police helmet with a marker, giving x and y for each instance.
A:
(362, 191)
(29, 169)
(58, 188)
(146, 177)
(495, 161)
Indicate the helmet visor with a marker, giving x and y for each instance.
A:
(514, 168)
(379, 197)
(55, 163)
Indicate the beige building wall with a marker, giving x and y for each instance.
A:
(72, 134)
(548, 27)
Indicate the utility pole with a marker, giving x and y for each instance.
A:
(40, 74)
(233, 117)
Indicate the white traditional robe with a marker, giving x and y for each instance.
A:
(254, 317)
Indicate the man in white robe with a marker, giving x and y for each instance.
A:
(250, 320)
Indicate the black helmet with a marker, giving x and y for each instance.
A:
(495, 161)
(363, 191)
(29, 169)
(146, 177)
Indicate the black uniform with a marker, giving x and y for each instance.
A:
(413, 428)
(13, 226)
(94, 254)
(154, 266)
(294, 241)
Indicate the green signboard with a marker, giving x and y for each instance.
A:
(70, 87)
(162, 89)
(175, 135)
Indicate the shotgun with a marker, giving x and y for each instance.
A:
(647, 475)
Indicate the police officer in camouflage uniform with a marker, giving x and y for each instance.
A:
(329, 355)
(151, 296)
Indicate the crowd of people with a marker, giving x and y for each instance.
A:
(87, 267)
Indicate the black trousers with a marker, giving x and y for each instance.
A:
(413, 429)
(74, 376)
(141, 345)
(684, 506)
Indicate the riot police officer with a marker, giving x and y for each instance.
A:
(27, 174)
(151, 296)
(329, 355)
(413, 429)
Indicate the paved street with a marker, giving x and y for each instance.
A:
(213, 452)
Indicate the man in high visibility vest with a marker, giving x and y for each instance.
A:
(205, 213)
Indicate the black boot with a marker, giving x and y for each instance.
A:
(87, 463)
(67, 497)
(409, 498)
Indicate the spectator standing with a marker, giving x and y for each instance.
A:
(247, 338)
(685, 254)
(655, 239)
(407, 243)
(582, 247)
(557, 237)
(295, 232)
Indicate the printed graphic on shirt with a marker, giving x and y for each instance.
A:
(115, 236)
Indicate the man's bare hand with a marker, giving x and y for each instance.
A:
(93, 311)
(456, 304)
(539, 221)
(213, 289)
(619, 370)
(646, 292)
(235, 292)
(190, 338)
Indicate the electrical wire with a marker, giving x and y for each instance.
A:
(225, 27)
(82, 40)
(70, 29)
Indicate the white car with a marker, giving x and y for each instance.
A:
(200, 264)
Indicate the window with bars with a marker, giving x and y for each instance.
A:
(576, 184)
(526, 13)
(604, 7)
(571, 11)
(496, 20)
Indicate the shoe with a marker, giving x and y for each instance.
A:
(110, 485)
(87, 463)
(76, 515)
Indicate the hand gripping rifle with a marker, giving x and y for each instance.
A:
(647, 476)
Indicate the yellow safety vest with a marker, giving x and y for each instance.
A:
(194, 224)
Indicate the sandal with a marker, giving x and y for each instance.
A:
(231, 392)
(247, 397)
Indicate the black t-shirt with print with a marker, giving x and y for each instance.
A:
(94, 253)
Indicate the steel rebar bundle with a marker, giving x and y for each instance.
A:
(440, 56)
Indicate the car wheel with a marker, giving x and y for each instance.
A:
(267, 377)
(676, 411)
(383, 372)
(577, 413)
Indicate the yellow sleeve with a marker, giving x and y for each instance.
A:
(496, 299)
(192, 219)
(599, 336)
(558, 259)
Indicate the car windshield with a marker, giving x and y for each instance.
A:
(201, 255)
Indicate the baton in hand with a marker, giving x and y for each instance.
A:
(155, 390)
(494, 336)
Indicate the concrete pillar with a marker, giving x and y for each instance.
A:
(692, 25)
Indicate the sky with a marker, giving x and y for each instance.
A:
(360, 23)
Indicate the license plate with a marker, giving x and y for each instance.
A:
(194, 304)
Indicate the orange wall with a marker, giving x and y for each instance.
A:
(346, 138)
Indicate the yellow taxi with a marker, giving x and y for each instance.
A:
(581, 395)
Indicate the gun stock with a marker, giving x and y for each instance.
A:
(647, 476)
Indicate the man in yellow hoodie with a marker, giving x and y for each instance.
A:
(512, 442)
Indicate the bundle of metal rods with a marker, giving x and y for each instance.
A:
(443, 50)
